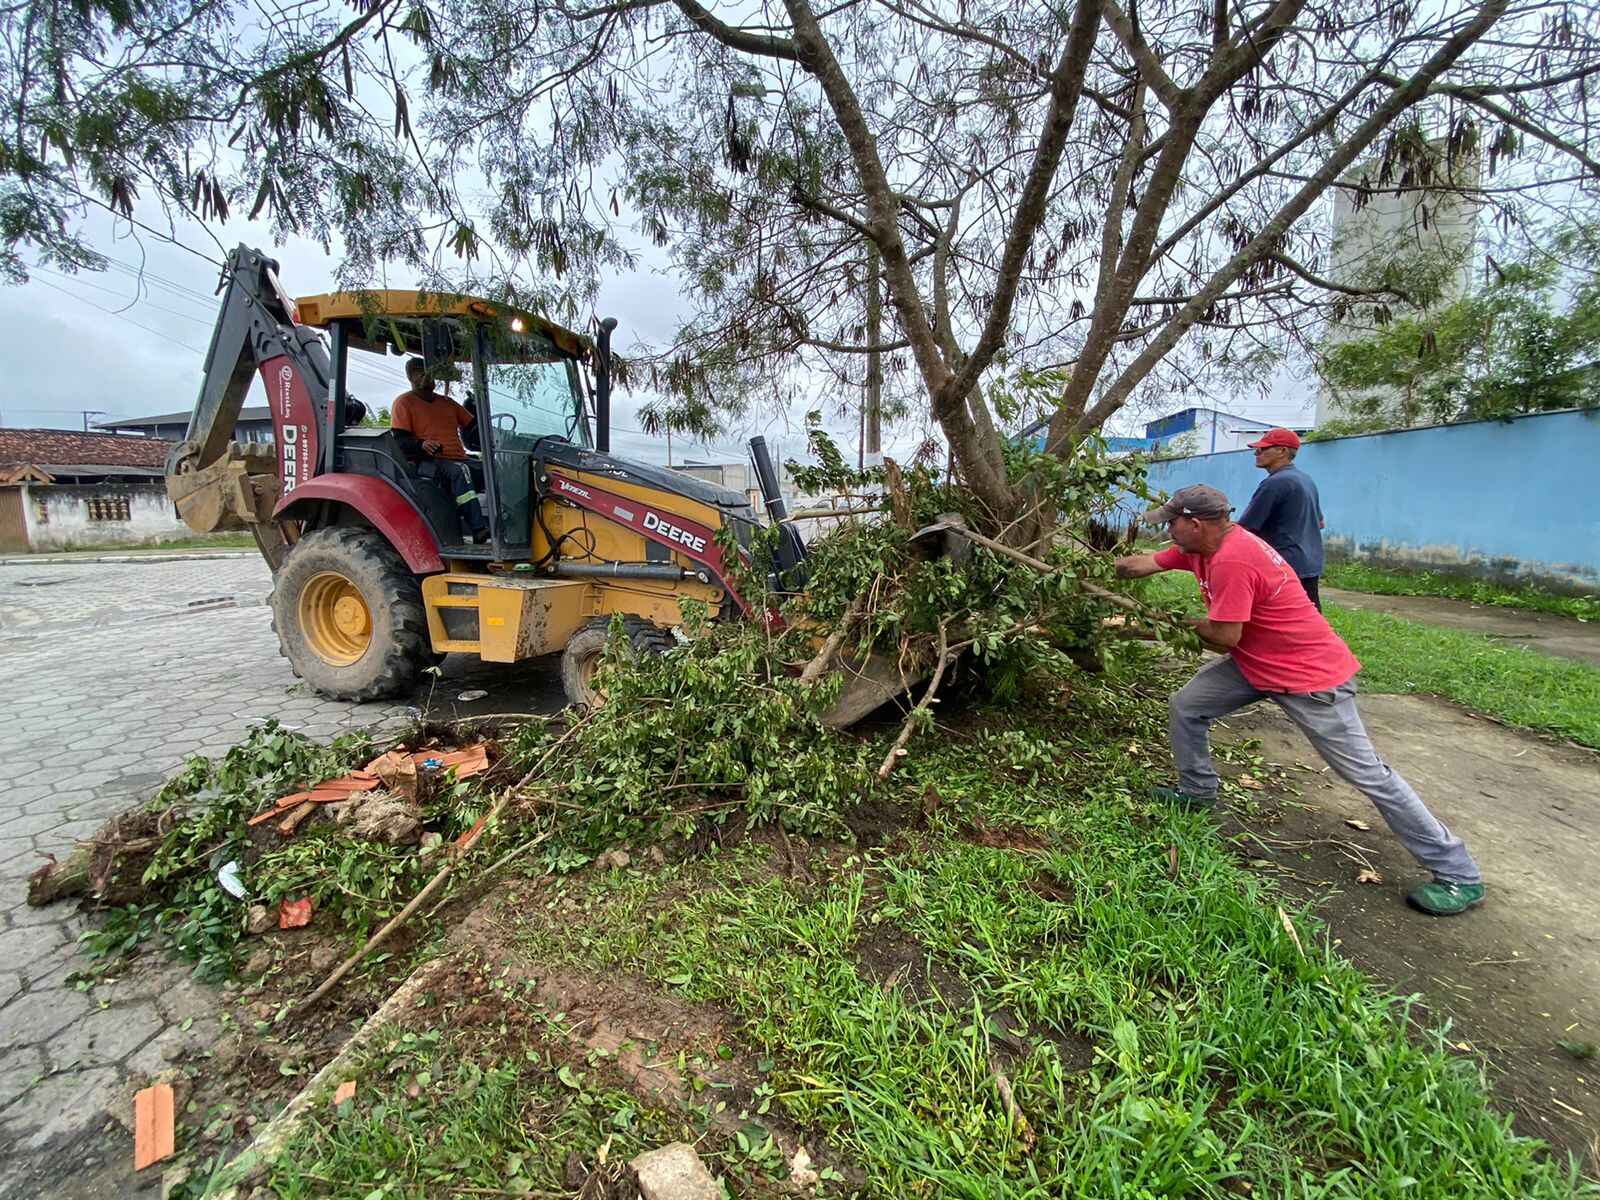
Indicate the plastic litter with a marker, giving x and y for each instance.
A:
(228, 877)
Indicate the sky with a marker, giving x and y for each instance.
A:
(104, 346)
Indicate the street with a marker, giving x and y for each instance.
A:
(115, 673)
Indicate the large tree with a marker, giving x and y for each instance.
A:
(1127, 194)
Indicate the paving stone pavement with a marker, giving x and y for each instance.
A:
(113, 677)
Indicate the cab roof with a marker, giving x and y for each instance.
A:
(379, 317)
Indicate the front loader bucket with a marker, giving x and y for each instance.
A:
(867, 686)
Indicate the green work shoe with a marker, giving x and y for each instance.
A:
(1166, 795)
(1441, 899)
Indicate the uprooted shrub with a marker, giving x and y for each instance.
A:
(726, 725)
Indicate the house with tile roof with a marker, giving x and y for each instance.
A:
(61, 489)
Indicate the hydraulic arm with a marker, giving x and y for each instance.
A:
(215, 482)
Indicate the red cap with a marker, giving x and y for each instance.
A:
(1278, 437)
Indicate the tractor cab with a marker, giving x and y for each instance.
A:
(526, 382)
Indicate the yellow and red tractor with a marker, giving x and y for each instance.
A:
(374, 577)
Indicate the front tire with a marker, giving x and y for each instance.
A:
(584, 653)
(349, 615)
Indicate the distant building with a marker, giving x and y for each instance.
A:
(735, 476)
(1188, 431)
(1203, 431)
(62, 490)
(50, 456)
(254, 425)
(1381, 222)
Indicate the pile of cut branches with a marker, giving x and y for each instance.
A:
(729, 727)
(732, 723)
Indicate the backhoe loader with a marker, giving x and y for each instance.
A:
(374, 578)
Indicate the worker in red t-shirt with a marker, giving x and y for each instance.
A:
(436, 422)
(1277, 646)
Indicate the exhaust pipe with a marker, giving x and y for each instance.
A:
(767, 476)
(602, 387)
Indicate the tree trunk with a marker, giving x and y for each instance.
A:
(58, 880)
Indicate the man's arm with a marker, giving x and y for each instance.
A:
(401, 422)
(1219, 635)
(1258, 512)
(1137, 566)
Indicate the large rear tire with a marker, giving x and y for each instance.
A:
(584, 652)
(348, 614)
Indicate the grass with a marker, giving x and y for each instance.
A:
(219, 541)
(1035, 983)
(1179, 1040)
(465, 1112)
(1359, 577)
(1511, 683)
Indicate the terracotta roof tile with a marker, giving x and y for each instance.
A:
(43, 447)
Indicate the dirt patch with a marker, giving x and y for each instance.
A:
(1004, 837)
(876, 822)
(894, 959)
(1052, 888)
(1515, 977)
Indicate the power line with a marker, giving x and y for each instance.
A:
(139, 300)
(183, 291)
(110, 312)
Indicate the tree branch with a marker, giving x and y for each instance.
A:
(746, 42)
(1150, 68)
(1066, 84)
(1349, 150)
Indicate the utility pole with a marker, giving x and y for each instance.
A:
(669, 445)
(872, 410)
(91, 412)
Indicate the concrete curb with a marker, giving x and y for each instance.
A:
(275, 1136)
(64, 560)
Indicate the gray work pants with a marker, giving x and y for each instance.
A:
(1329, 719)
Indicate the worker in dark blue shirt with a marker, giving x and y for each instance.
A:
(1285, 512)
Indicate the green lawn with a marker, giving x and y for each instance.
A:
(1359, 577)
(1160, 1030)
(1511, 683)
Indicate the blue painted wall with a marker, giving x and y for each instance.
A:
(1516, 499)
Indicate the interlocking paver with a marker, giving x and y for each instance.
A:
(20, 1069)
(111, 684)
(33, 1018)
(106, 1036)
(23, 947)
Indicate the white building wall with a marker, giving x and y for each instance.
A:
(69, 517)
(1392, 227)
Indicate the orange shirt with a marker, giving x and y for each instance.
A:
(436, 419)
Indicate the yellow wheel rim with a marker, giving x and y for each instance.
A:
(587, 670)
(335, 619)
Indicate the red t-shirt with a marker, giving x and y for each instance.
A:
(1286, 644)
